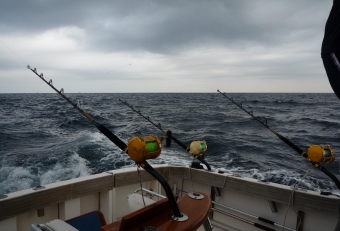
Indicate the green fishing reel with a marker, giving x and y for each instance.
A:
(198, 147)
(144, 148)
(320, 153)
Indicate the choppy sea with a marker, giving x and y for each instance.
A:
(43, 139)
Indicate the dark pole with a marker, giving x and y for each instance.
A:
(287, 141)
(172, 137)
(122, 146)
(166, 187)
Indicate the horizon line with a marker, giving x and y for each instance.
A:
(168, 92)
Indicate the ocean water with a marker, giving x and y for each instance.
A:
(43, 139)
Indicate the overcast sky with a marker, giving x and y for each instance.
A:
(163, 46)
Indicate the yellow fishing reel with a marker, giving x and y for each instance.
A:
(198, 147)
(320, 153)
(143, 148)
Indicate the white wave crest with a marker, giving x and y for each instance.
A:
(15, 179)
(72, 167)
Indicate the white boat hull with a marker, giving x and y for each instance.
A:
(108, 192)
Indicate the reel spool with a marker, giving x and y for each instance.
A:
(320, 153)
(143, 148)
(198, 147)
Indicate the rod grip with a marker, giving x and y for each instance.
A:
(111, 136)
(266, 220)
(290, 144)
(204, 162)
(166, 187)
(263, 227)
(180, 143)
(330, 175)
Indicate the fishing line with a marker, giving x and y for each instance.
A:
(315, 154)
(194, 85)
(140, 183)
(137, 143)
(118, 68)
(100, 127)
(291, 199)
(14, 53)
(130, 64)
(192, 184)
(198, 154)
(123, 66)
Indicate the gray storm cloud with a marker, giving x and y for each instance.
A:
(165, 40)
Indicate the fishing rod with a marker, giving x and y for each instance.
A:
(197, 148)
(139, 148)
(315, 154)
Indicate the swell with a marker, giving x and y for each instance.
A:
(43, 139)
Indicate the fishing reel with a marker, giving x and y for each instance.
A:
(144, 148)
(198, 147)
(320, 153)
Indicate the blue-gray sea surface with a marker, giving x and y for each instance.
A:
(43, 139)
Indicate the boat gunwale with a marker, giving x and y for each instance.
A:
(26, 200)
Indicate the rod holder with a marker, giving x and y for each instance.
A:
(217, 191)
(273, 207)
(176, 212)
(41, 212)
